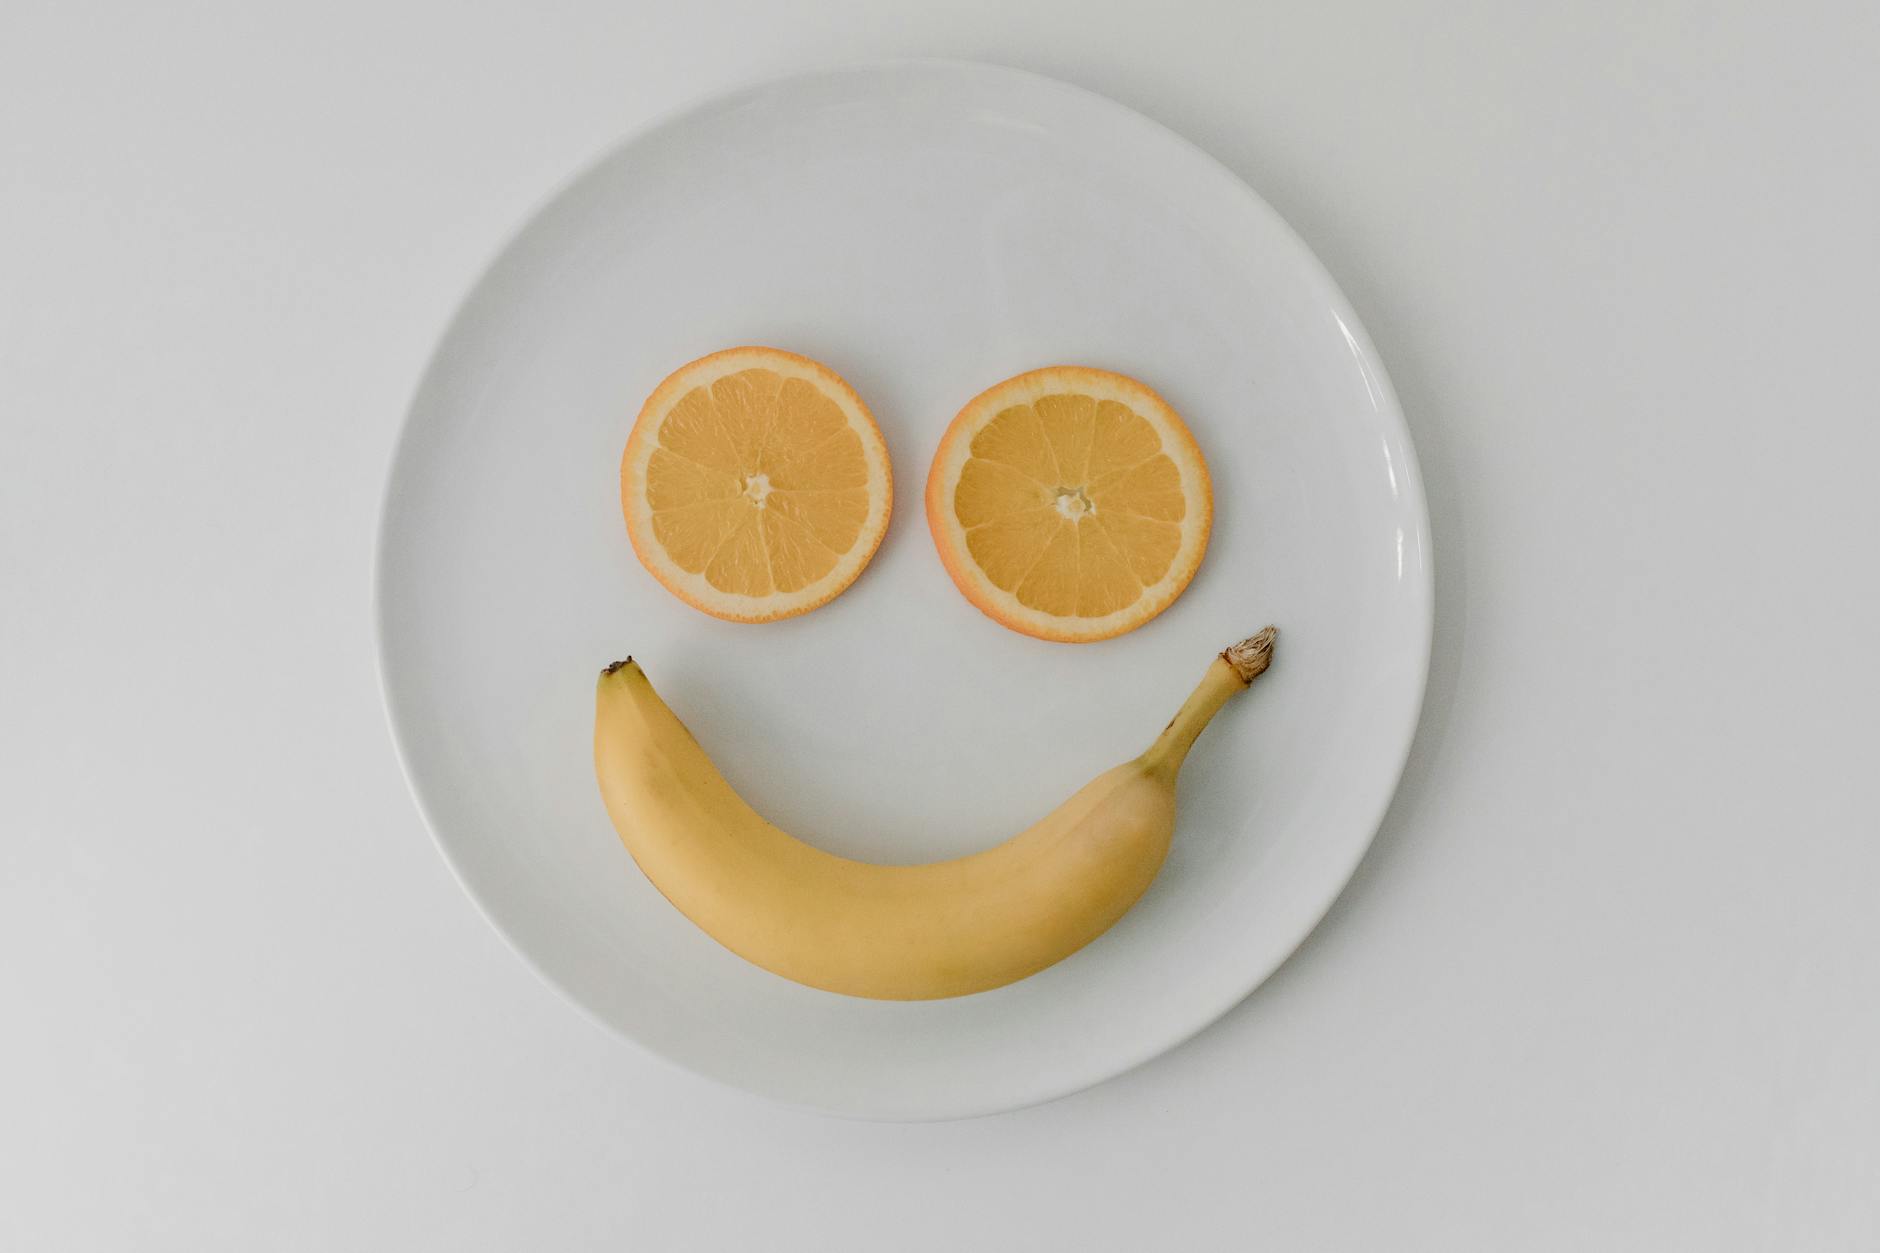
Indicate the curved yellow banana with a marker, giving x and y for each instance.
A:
(893, 932)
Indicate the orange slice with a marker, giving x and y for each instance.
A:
(755, 484)
(1069, 503)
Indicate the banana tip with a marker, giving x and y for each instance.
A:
(622, 664)
(1251, 656)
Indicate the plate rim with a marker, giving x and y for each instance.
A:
(1385, 404)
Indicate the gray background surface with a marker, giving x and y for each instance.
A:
(1608, 978)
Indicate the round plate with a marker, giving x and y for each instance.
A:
(926, 229)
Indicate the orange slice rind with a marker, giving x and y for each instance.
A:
(755, 484)
(1069, 503)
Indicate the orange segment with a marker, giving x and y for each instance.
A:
(1070, 503)
(755, 484)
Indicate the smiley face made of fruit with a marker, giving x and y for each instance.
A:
(1068, 503)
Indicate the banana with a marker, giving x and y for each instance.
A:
(947, 928)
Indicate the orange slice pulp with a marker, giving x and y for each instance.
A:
(755, 484)
(1069, 503)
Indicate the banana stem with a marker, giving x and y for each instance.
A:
(1233, 672)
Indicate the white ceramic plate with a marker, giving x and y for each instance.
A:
(927, 229)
